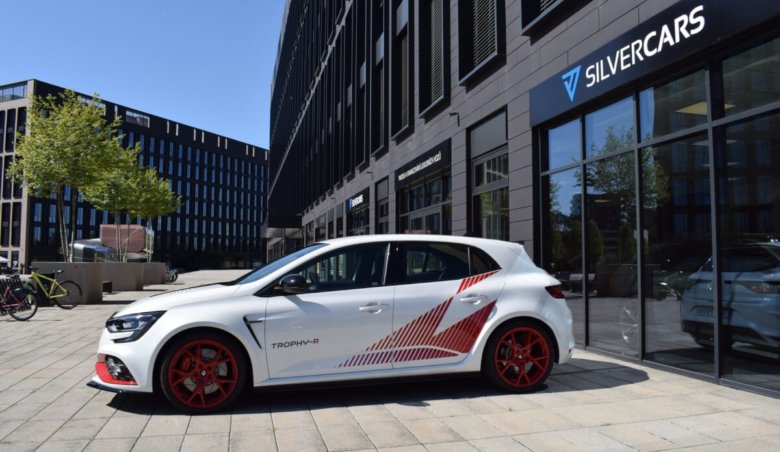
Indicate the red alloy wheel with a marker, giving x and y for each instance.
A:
(522, 358)
(202, 375)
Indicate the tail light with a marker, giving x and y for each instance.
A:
(555, 292)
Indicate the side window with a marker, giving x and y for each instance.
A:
(481, 262)
(355, 267)
(430, 262)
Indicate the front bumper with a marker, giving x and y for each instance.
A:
(136, 356)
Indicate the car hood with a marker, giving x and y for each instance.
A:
(168, 300)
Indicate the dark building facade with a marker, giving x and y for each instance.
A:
(632, 146)
(222, 184)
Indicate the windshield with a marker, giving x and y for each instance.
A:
(271, 267)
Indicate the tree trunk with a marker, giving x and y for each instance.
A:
(116, 233)
(74, 194)
(63, 229)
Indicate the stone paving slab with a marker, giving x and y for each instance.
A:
(593, 403)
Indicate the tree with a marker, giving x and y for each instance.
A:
(129, 188)
(615, 177)
(70, 145)
(115, 191)
(154, 197)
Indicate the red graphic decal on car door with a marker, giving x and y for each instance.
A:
(419, 335)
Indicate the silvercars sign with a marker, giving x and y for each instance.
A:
(653, 43)
(688, 28)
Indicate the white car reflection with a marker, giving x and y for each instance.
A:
(751, 297)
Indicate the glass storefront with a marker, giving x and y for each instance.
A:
(749, 182)
(661, 217)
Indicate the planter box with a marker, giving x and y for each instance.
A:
(124, 276)
(154, 273)
(88, 275)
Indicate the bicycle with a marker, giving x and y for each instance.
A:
(66, 294)
(17, 299)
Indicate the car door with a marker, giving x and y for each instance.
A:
(326, 329)
(444, 294)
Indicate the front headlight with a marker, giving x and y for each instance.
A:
(134, 324)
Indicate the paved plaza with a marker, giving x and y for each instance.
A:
(593, 403)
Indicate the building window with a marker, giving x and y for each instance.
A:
(481, 37)
(426, 206)
(490, 177)
(92, 102)
(13, 92)
(401, 65)
(136, 118)
(319, 228)
(434, 54)
(339, 221)
(382, 207)
(491, 195)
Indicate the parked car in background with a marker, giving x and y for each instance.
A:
(356, 308)
(751, 297)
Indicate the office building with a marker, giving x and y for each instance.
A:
(222, 184)
(632, 146)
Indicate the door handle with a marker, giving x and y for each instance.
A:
(472, 299)
(374, 308)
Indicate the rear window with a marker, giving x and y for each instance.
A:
(749, 259)
(481, 262)
(431, 262)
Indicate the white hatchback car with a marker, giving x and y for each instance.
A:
(354, 308)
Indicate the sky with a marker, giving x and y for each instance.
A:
(207, 64)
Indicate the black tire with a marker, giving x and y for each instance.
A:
(72, 299)
(28, 308)
(194, 385)
(518, 368)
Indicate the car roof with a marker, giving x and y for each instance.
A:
(371, 238)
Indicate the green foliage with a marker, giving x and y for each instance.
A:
(72, 144)
(615, 177)
(595, 244)
(68, 145)
(114, 190)
(154, 196)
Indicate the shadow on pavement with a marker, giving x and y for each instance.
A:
(578, 374)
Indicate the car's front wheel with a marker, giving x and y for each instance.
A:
(518, 357)
(203, 372)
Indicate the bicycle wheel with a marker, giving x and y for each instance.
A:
(72, 297)
(26, 310)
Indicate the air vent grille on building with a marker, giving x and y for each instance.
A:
(437, 49)
(404, 101)
(484, 30)
(544, 4)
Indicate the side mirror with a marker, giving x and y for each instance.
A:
(292, 285)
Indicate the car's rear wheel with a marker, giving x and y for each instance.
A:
(203, 372)
(518, 356)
